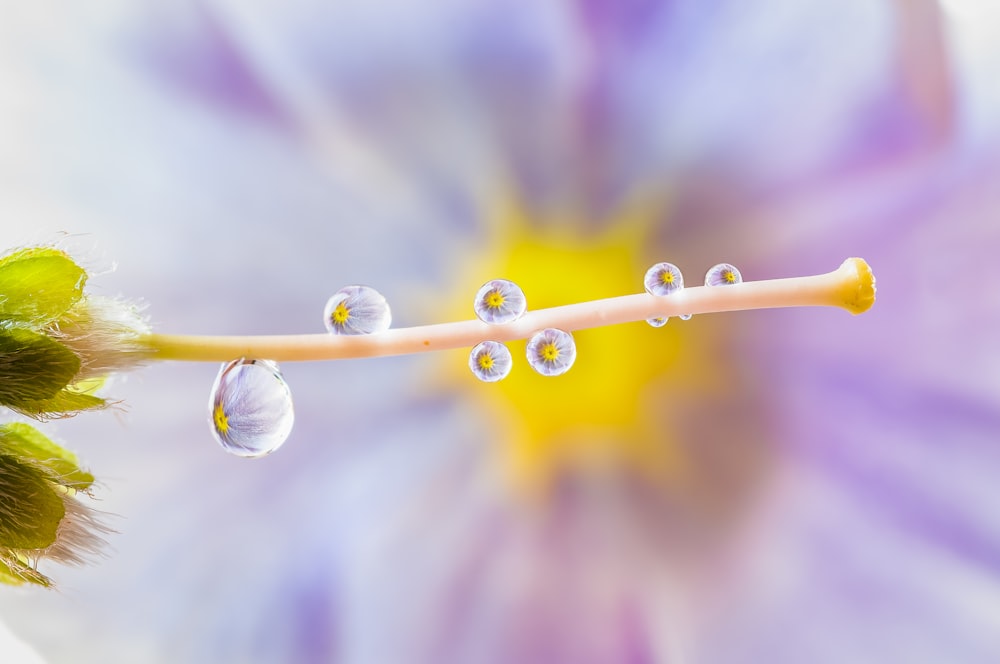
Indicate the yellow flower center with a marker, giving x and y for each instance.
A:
(549, 352)
(220, 419)
(627, 403)
(340, 314)
(495, 299)
(486, 361)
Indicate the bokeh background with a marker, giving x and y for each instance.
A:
(829, 484)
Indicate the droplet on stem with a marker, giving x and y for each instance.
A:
(663, 279)
(251, 411)
(500, 301)
(357, 310)
(551, 352)
(723, 274)
(490, 361)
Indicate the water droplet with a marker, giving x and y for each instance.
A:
(660, 280)
(663, 279)
(357, 310)
(551, 352)
(490, 361)
(723, 274)
(500, 301)
(251, 408)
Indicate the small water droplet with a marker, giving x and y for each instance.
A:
(251, 408)
(357, 310)
(551, 352)
(500, 301)
(723, 274)
(490, 361)
(663, 279)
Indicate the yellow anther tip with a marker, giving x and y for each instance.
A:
(858, 292)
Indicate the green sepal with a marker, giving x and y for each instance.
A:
(66, 402)
(26, 442)
(16, 573)
(75, 398)
(9, 576)
(30, 507)
(89, 385)
(38, 285)
(33, 368)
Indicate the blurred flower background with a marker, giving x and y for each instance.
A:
(778, 486)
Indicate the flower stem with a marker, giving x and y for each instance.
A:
(851, 287)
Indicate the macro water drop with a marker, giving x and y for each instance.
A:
(500, 301)
(723, 274)
(357, 310)
(551, 352)
(661, 280)
(490, 361)
(250, 408)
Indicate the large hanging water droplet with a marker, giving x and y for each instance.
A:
(490, 361)
(663, 279)
(500, 301)
(551, 352)
(357, 310)
(723, 274)
(251, 408)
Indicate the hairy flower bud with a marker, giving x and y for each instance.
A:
(39, 514)
(53, 336)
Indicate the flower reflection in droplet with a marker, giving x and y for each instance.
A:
(251, 411)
